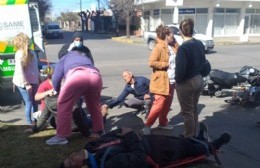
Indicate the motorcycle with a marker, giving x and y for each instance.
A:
(221, 83)
(250, 96)
(247, 96)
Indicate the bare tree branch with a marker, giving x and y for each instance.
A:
(123, 9)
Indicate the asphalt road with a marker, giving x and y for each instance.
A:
(113, 57)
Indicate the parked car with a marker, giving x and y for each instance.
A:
(43, 30)
(53, 31)
(207, 41)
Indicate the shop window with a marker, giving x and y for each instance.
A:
(226, 21)
(167, 16)
(146, 14)
(250, 10)
(255, 24)
(232, 10)
(219, 10)
(167, 11)
(218, 24)
(231, 24)
(201, 10)
(201, 23)
(156, 12)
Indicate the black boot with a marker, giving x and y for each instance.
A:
(217, 143)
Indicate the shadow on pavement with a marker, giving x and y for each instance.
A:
(243, 149)
(178, 118)
(9, 100)
(127, 119)
(11, 121)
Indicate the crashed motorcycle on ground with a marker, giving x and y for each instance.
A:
(222, 84)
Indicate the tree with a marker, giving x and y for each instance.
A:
(102, 4)
(123, 9)
(69, 17)
(44, 7)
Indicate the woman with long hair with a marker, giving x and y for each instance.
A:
(26, 74)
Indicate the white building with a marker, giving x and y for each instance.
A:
(219, 18)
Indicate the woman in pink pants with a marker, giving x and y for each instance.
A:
(81, 78)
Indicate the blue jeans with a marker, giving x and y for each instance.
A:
(30, 104)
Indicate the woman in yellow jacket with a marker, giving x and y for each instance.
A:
(160, 84)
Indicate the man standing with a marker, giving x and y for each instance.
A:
(137, 86)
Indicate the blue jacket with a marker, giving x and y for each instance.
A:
(141, 87)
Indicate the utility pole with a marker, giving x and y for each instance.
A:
(81, 16)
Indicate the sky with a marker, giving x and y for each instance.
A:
(59, 6)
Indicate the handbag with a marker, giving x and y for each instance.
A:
(206, 68)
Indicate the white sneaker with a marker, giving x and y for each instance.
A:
(56, 141)
(168, 127)
(147, 130)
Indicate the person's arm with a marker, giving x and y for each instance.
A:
(134, 157)
(180, 64)
(58, 75)
(155, 61)
(119, 99)
(114, 102)
(41, 95)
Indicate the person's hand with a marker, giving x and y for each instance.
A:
(28, 87)
(104, 109)
(147, 96)
(49, 93)
(125, 130)
(71, 46)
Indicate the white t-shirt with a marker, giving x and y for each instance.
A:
(171, 68)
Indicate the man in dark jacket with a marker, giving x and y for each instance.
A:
(137, 86)
(123, 148)
(77, 44)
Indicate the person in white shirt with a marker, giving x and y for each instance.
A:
(26, 74)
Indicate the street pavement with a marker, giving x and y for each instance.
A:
(242, 152)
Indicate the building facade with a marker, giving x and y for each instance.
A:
(217, 18)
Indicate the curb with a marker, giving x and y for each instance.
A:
(236, 43)
(123, 39)
(129, 40)
(141, 41)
